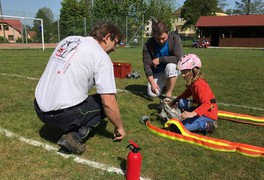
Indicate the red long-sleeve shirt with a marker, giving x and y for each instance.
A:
(202, 95)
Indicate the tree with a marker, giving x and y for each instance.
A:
(55, 38)
(47, 16)
(222, 4)
(160, 10)
(133, 11)
(73, 16)
(249, 7)
(104, 9)
(229, 11)
(193, 9)
(122, 13)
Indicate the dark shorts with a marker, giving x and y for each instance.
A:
(88, 113)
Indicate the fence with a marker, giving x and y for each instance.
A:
(131, 29)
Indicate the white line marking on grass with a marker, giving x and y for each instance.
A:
(126, 91)
(75, 158)
(15, 75)
(246, 107)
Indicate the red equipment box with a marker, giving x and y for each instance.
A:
(121, 70)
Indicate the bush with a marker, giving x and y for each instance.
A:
(2, 40)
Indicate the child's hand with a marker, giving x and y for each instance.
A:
(186, 114)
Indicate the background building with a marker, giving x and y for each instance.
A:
(12, 29)
(232, 31)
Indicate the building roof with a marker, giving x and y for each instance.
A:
(16, 24)
(32, 34)
(231, 21)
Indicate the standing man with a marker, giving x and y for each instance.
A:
(161, 54)
(61, 97)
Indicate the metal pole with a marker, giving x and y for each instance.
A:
(42, 34)
(92, 16)
(59, 30)
(126, 33)
(25, 28)
(22, 33)
(74, 28)
(3, 27)
(143, 29)
(14, 35)
(91, 23)
(26, 35)
(84, 25)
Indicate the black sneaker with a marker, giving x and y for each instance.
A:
(210, 126)
(72, 144)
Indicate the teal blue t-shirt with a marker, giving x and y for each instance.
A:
(161, 51)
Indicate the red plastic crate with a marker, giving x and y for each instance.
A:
(121, 70)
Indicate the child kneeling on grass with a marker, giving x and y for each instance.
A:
(199, 114)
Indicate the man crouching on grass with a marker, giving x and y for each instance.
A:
(61, 97)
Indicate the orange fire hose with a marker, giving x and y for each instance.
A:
(204, 141)
(241, 118)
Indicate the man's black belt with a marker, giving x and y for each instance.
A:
(60, 111)
(54, 112)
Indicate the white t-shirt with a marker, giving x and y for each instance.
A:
(75, 66)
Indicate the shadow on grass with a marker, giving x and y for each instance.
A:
(139, 90)
(155, 116)
(154, 106)
(52, 134)
(123, 163)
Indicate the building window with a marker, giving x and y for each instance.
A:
(6, 27)
(11, 38)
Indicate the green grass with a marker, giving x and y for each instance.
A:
(236, 77)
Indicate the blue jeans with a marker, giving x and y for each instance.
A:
(196, 123)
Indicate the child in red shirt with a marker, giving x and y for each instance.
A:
(200, 113)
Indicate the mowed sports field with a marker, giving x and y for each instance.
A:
(28, 148)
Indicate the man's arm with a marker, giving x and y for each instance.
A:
(148, 62)
(147, 59)
(113, 114)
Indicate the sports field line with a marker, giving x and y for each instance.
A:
(19, 76)
(136, 92)
(77, 159)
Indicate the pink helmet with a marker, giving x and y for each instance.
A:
(189, 61)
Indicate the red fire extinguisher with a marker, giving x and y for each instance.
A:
(134, 160)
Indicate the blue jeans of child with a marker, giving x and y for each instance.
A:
(196, 123)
